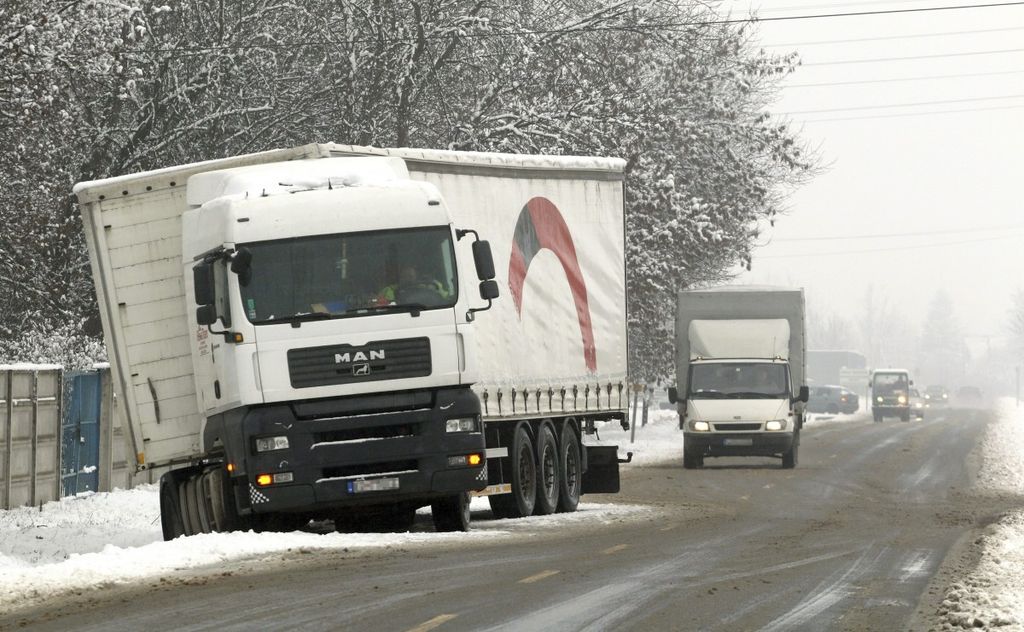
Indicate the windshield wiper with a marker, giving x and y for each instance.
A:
(754, 395)
(413, 308)
(295, 319)
(707, 394)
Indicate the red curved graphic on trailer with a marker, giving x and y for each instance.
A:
(541, 226)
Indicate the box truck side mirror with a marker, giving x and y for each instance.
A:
(206, 314)
(483, 260)
(489, 290)
(804, 395)
(203, 282)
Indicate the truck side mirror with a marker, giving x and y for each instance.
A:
(805, 394)
(483, 260)
(206, 314)
(241, 264)
(202, 276)
(489, 289)
(673, 395)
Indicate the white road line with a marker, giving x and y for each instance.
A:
(437, 621)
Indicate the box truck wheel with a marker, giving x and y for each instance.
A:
(692, 459)
(451, 513)
(789, 459)
(549, 481)
(170, 508)
(570, 470)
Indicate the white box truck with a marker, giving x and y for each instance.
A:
(740, 371)
(316, 332)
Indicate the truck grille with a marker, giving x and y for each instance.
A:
(370, 469)
(346, 364)
(365, 434)
(738, 427)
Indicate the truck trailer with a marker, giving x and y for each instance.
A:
(344, 332)
(740, 369)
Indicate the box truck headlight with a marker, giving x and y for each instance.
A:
(879, 399)
(462, 424)
(902, 399)
(269, 444)
(775, 424)
(700, 426)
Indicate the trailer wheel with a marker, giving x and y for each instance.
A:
(524, 474)
(170, 508)
(451, 513)
(549, 481)
(570, 470)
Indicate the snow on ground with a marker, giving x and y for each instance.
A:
(660, 440)
(97, 540)
(992, 595)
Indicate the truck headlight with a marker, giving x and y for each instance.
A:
(775, 424)
(269, 444)
(700, 426)
(462, 424)
(902, 399)
(879, 399)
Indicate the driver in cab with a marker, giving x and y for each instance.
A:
(410, 282)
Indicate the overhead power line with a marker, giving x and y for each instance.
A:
(834, 253)
(911, 114)
(913, 57)
(956, 231)
(885, 38)
(902, 105)
(966, 75)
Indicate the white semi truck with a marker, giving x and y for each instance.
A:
(740, 367)
(316, 332)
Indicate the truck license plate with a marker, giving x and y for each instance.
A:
(740, 442)
(372, 485)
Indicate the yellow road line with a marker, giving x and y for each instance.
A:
(439, 620)
(539, 576)
(614, 549)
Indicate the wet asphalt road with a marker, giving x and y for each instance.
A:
(849, 540)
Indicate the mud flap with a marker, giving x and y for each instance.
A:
(602, 475)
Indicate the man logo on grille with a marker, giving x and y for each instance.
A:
(360, 369)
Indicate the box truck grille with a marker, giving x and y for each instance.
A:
(362, 434)
(738, 427)
(351, 471)
(346, 364)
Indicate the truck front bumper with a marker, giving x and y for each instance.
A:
(739, 444)
(382, 449)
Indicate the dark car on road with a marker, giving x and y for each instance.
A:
(832, 400)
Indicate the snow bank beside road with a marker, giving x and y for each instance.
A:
(992, 595)
(93, 541)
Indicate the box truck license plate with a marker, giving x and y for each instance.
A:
(739, 442)
(373, 485)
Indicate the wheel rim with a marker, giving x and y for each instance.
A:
(526, 481)
(549, 463)
(572, 471)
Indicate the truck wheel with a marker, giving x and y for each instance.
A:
(524, 474)
(170, 508)
(203, 502)
(691, 459)
(195, 527)
(570, 466)
(549, 483)
(452, 513)
(789, 459)
(185, 506)
(223, 513)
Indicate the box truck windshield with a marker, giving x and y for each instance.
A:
(352, 274)
(739, 380)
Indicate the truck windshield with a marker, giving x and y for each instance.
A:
(348, 275)
(739, 380)
(890, 383)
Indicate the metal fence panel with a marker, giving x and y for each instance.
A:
(80, 461)
(30, 415)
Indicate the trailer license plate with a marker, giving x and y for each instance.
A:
(373, 485)
(740, 442)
